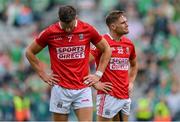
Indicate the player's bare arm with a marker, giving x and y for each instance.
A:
(132, 72)
(102, 86)
(31, 52)
(91, 58)
(104, 47)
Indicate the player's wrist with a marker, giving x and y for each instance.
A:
(41, 73)
(99, 73)
(95, 83)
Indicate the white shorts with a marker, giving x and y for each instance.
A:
(108, 106)
(62, 99)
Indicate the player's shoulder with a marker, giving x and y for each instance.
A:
(108, 38)
(84, 25)
(47, 30)
(54, 26)
(126, 40)
(105, 35)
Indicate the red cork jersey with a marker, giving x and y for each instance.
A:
(69, 52)
(117, 70)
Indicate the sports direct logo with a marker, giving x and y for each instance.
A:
(119, 63)
(74, 52)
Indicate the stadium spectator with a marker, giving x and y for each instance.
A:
(173, 100)
(144, 107)
(161, 111)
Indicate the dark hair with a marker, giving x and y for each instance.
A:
(67, 13)
(113, 16)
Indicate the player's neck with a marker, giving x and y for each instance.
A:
(116, 37)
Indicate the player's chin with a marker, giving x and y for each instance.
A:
(126, 32)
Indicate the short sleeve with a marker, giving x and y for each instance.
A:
(95, 36)
(95, 52)
(42, 38)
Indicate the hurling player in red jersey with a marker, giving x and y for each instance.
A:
(69, 41)
(114, 99)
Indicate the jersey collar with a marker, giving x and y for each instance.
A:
(111, 36)
(61, 26)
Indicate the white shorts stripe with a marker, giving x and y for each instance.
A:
(108, 106)
(102, 100)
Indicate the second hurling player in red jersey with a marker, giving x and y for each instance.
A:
(117, 69)
(118, 72)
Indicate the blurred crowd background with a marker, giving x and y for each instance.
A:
(154, 28)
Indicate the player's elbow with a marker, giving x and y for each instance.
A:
(28, 52)
(134, 66)
(108, 50)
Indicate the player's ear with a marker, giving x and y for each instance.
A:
(113, 26)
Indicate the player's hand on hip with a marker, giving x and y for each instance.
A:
(103, 86)
(91, 79)
(50, 79)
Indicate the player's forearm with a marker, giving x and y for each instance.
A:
(104, 60)
(35, 63)
(133, 73)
